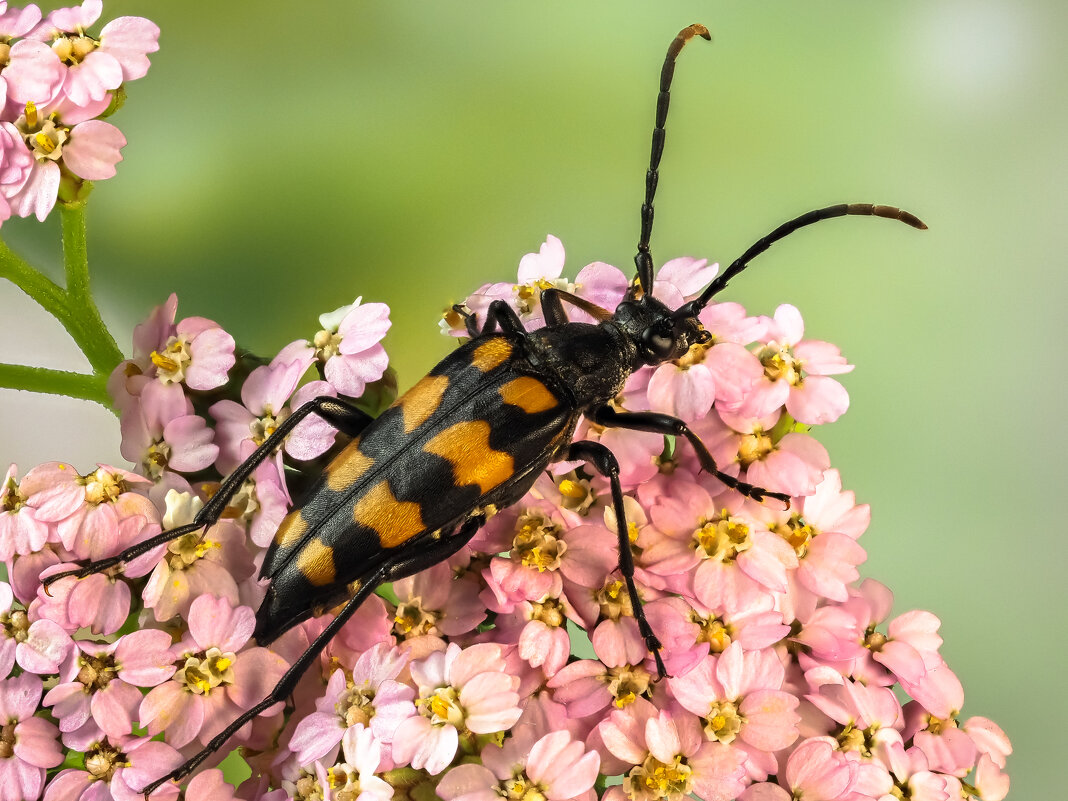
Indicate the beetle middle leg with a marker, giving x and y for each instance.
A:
(552, 303)
(340, 414)
(604, 462)
(657, 423)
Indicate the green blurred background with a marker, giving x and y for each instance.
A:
(285, 158)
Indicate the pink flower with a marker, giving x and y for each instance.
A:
(355, 777)
(554, 766)
(89, 149)
(204, 561)
(269, 395)
(372, 699)
(16, 163)
(99, 681)
(670, 757)
(814, 772)
(118, 770)
(910, 771)
(598, 282)
(730, 551)
(434, 602)
(720, 371)
(96, 66)
(740, 699)
(195, 351)
(20, 530)
(459, 690)
(217, 677)
(87, 509)
(348, 347)
(796, 374)
(822, 529)
(33, 73)
(28, 745)
(160, 432)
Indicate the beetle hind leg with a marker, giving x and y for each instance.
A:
(341, 415)
(604, 462)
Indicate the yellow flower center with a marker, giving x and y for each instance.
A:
(172, 361)
(442, 707)
(798, 533)
(626, 683)
(754, 447)
(535, 543)
(723, 722)
(73, 48)
(714, 632)
(654, 779)
(102, 486)
(412, 620)
(722, 538)
(780, 363)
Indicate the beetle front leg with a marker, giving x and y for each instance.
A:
(657, 423)
(343, 416)
(604, 462)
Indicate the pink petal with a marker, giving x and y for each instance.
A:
(94, 150)
(129, 39)
(468, 783)
(771, 719)
(351, 374)
(548, 262)
(34, 72)
(91, 80)
(38, 195)
(662, 738)
(192, 448)
(212, 356)
(817, 400)
(363, 327)
(790, 328)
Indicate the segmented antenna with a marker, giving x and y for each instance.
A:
(644, 260)
(787, 228)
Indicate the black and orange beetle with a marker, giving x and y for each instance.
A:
(415, 484)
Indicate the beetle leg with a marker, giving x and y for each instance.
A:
(553, 308)
(340, 414)
(502, 315)
(604, 462)
(552, 303)
(468, 316)
(285, 685)
(437, 552)
(672, 426)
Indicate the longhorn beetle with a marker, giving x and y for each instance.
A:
(414, 485)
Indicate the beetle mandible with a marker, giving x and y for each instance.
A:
(415, 484)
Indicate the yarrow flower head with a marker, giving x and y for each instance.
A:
(787, 679)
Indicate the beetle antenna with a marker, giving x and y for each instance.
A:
(787, 228)
(644, 260)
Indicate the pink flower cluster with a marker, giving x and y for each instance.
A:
(57, 82)
(515, 670)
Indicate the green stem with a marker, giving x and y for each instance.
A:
(96, 341)
(55, 382)
(46, 292)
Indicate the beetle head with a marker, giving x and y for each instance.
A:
(660, 334)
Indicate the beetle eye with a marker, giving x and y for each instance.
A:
(659, 342)
(704, 336)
